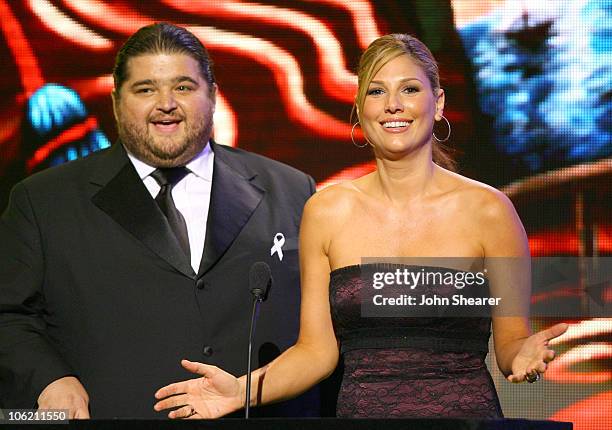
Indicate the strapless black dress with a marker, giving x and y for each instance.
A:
(408, 367)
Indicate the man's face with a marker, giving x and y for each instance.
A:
(164, 109)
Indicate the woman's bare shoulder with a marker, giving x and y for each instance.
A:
(479, 197)
(325, 213)
(334, 201)
(491, 217)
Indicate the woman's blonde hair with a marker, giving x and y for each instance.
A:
(385, 49)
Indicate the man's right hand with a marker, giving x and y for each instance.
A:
(66, 393)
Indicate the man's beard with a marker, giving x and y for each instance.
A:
(165, 153)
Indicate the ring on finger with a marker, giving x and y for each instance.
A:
(532, 377)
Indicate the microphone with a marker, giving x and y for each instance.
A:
(260, 281)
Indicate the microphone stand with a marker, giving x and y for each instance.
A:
(257, 299)
(260, 280)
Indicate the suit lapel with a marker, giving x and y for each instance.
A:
(234, 198)
(126, 200)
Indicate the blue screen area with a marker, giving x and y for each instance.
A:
(544, 80)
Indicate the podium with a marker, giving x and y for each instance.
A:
(303, 424)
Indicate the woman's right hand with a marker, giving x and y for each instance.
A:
(214, 394)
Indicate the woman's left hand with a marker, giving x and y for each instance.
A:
(534, 356)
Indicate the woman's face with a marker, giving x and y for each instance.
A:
(400, 107)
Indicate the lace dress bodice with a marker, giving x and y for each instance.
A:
(408, 367)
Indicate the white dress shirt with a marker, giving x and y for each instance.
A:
(191, 197)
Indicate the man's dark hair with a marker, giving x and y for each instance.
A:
(162, 38)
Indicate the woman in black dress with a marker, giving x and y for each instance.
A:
(411, 206)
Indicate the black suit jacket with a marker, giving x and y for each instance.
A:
(94, 284)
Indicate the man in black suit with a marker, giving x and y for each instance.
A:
(117, 266)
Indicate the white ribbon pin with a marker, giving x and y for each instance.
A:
(279, 241)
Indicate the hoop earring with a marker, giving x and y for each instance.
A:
(353, 137)
(449, 131)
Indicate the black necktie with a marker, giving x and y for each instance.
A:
(167, 179)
